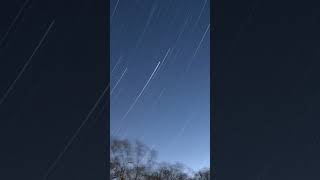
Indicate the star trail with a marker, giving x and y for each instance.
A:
(160, 59)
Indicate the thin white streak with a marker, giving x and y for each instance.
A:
(201, 40)
(115, 97)
(158, 98)
(182, 130)
(165, 57)
(115, 9)
(146, 26)
(162, 64)
(116, 64)
(153, 105)
(104, 106)
(26, 64)
(50, 169)
(183, 28)
(137, 98)
(196, 51)
(13, 22)
(115, 86)
(161, 93)
(202, 9)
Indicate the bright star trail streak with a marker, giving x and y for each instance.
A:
(196, 51)
(165, 56)
(135, 101)
(176, 34)
(162, 62)
(55, 162)
(4, 37)
(115, 86)
(26, 64)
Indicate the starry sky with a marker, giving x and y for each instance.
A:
(265, 56)
(160, 77)
(53, 68)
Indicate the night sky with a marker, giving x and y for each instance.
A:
(62, 79)
(160, 77)
(264, 76)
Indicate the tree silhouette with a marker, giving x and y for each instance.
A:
(136, 161)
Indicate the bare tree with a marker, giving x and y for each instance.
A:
(120, 159)
(203, 174)
(136, 161)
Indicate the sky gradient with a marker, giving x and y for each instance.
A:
(160, 77)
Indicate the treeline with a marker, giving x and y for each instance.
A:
(136, 161)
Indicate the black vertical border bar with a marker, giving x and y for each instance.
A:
(62, 11)
(107, 135)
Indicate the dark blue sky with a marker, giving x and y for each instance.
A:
(266, 61)
(160, 76)
(53, 68)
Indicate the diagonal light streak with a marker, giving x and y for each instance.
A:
(124, 72)
(137, 98)
(25, 65)
(13, 22)
(55, 162)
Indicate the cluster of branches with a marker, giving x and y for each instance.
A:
(136, 161)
